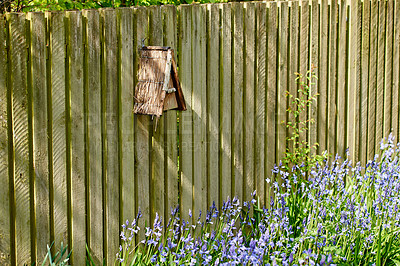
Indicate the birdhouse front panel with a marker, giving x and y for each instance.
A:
(152, 77)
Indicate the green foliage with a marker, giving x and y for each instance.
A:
(44, 5)
(300, 154)
(61, 258)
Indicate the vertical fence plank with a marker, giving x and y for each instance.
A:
(304, 64)
(396, 70)
(364, 81)
(341, 80)
(142, 130)
(40, 141)
(380, 87)
(282, 68)
(332, 77)
(237, 101)
(315, 66)
(226, 103)
(372, 83)
(261, 172)
(199, 108)
(171, 128)
(249, 101)
(322, 125)
(213, 127)
(5, 236)
(271, 123)
(110, 114)
(77, 145)
(94, 140)
(185, 118)
(293, 64)
(126, 115)
(158, 142)
(387, 107)
(20, 192)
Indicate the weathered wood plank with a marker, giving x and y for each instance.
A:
(293, 64)
(77, 142)
(39, 127)
(20, 193)
(282, 82)
(226, 103)
(94, 139)
(332, 78)
(5, 235)
(157, 161)
(380, 86)
(199, 108)
(322, 126)
(366, 16)
(396, 71)
(143, 130)
(237, 99)
(341, 81)
(127, 117)
(353, 84)
(372, 80)
(315, 106)
(271, 122)
(213, 92)
(304, 50)
(185, 118)
(261, 172)
(388, 98)
(110, 114)
(249, 100)
(171, 128)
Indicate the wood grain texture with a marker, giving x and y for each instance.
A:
(237, 99)
(185, 118)
(271, 122)
(380, 76)
(304, 50)
(110, 114)
(249, 100)
(365, 53)
(94, 138)
(171, 128)
(199, 109)
(158, 140)
(226, 166)
(396, 71)
(77, 142)
(372, 84)
(260, 106)
(293, 64)
(315, 66)
(143, 130)
(322, 117)
(40, 133)
(332, 78)
(5, 236)
(20, 192)
(388, 98)
(341, 81)
(213, 92)
(282, 82)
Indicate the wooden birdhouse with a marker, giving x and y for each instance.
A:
(158, 88)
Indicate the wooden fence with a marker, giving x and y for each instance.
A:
(76, 162)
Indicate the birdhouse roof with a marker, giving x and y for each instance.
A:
(158, 88)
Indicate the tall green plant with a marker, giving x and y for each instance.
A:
(298, 151)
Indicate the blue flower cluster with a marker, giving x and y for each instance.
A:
(338, 213)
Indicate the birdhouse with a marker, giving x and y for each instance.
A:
(158, 88)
